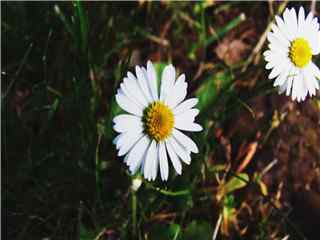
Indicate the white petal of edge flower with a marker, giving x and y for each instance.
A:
(137, 154)
(127, 92)
(174, 159)
(152, 80)
(299, 82)
(185, 141)
(132, 84)
(126, 122)
(177, 93)
(163, 161)
(182, 153)
(127, 105)
(143, 84)
(185, 105)
(122, 138)
(151, 162)
(128, 143)
(167, 81)
(189, 114)
(188, 126)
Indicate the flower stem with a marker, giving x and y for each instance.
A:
(134, 213)
(97, 170)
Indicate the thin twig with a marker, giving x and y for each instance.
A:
(262, 39)
(313, 7)
(101, 233)
(15, 77)
(215, 233)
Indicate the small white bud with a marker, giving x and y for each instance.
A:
(136, 183)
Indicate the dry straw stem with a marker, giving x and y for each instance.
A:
(262, 39)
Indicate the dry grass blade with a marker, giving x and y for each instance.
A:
(251, 150)
(262, 40)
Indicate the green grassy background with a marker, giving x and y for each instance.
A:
(62, 63)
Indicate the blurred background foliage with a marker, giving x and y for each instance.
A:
(257, 175)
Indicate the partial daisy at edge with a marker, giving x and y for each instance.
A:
(151, 131)
(293, 40)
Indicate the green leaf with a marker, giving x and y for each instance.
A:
(54, 108)
(211, 88)
(199, 230)
(161, 231)
(83, 22)
(64, 20)
(236, 182)
(217, 168)
(86, 234)
(222, 31)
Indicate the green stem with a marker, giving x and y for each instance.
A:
(168, 193)
(98, 167)
(134, 213)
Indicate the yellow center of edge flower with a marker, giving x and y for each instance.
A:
(158, 121)
(300, 52)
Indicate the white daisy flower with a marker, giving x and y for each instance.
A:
(151, 131)
(293, 41)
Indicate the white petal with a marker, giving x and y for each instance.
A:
(289, 85)
(282, 27)
(187, 116)
(143, 84)
(292, 75)
(185, 105)
(276, 58)
(116, 140)
(129, 141)
(125, 160)
(174, 158)
(294, 22)
(183, 154)
(298, 88)
(280, 79)
(301, 21)
(177, 93)
(314, 70)
(133, 86)
(282, 88)
(295, 87)
(152, 80)
(185, 141)
(151, 162)
(127, 105)
(126, 122)
(280, 35)
(309, 80)
(276, 48)
(137, 154)
(188, 126)
(167, 81)
(313, 38)
(130, 95)
(144, 70)
(283, 75)
(163, 161)
(272, 38)
(121, 138)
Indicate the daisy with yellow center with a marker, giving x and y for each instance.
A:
(151, 132)
(292, 43)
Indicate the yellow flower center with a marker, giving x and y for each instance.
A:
(300, 52)
(158, 121)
